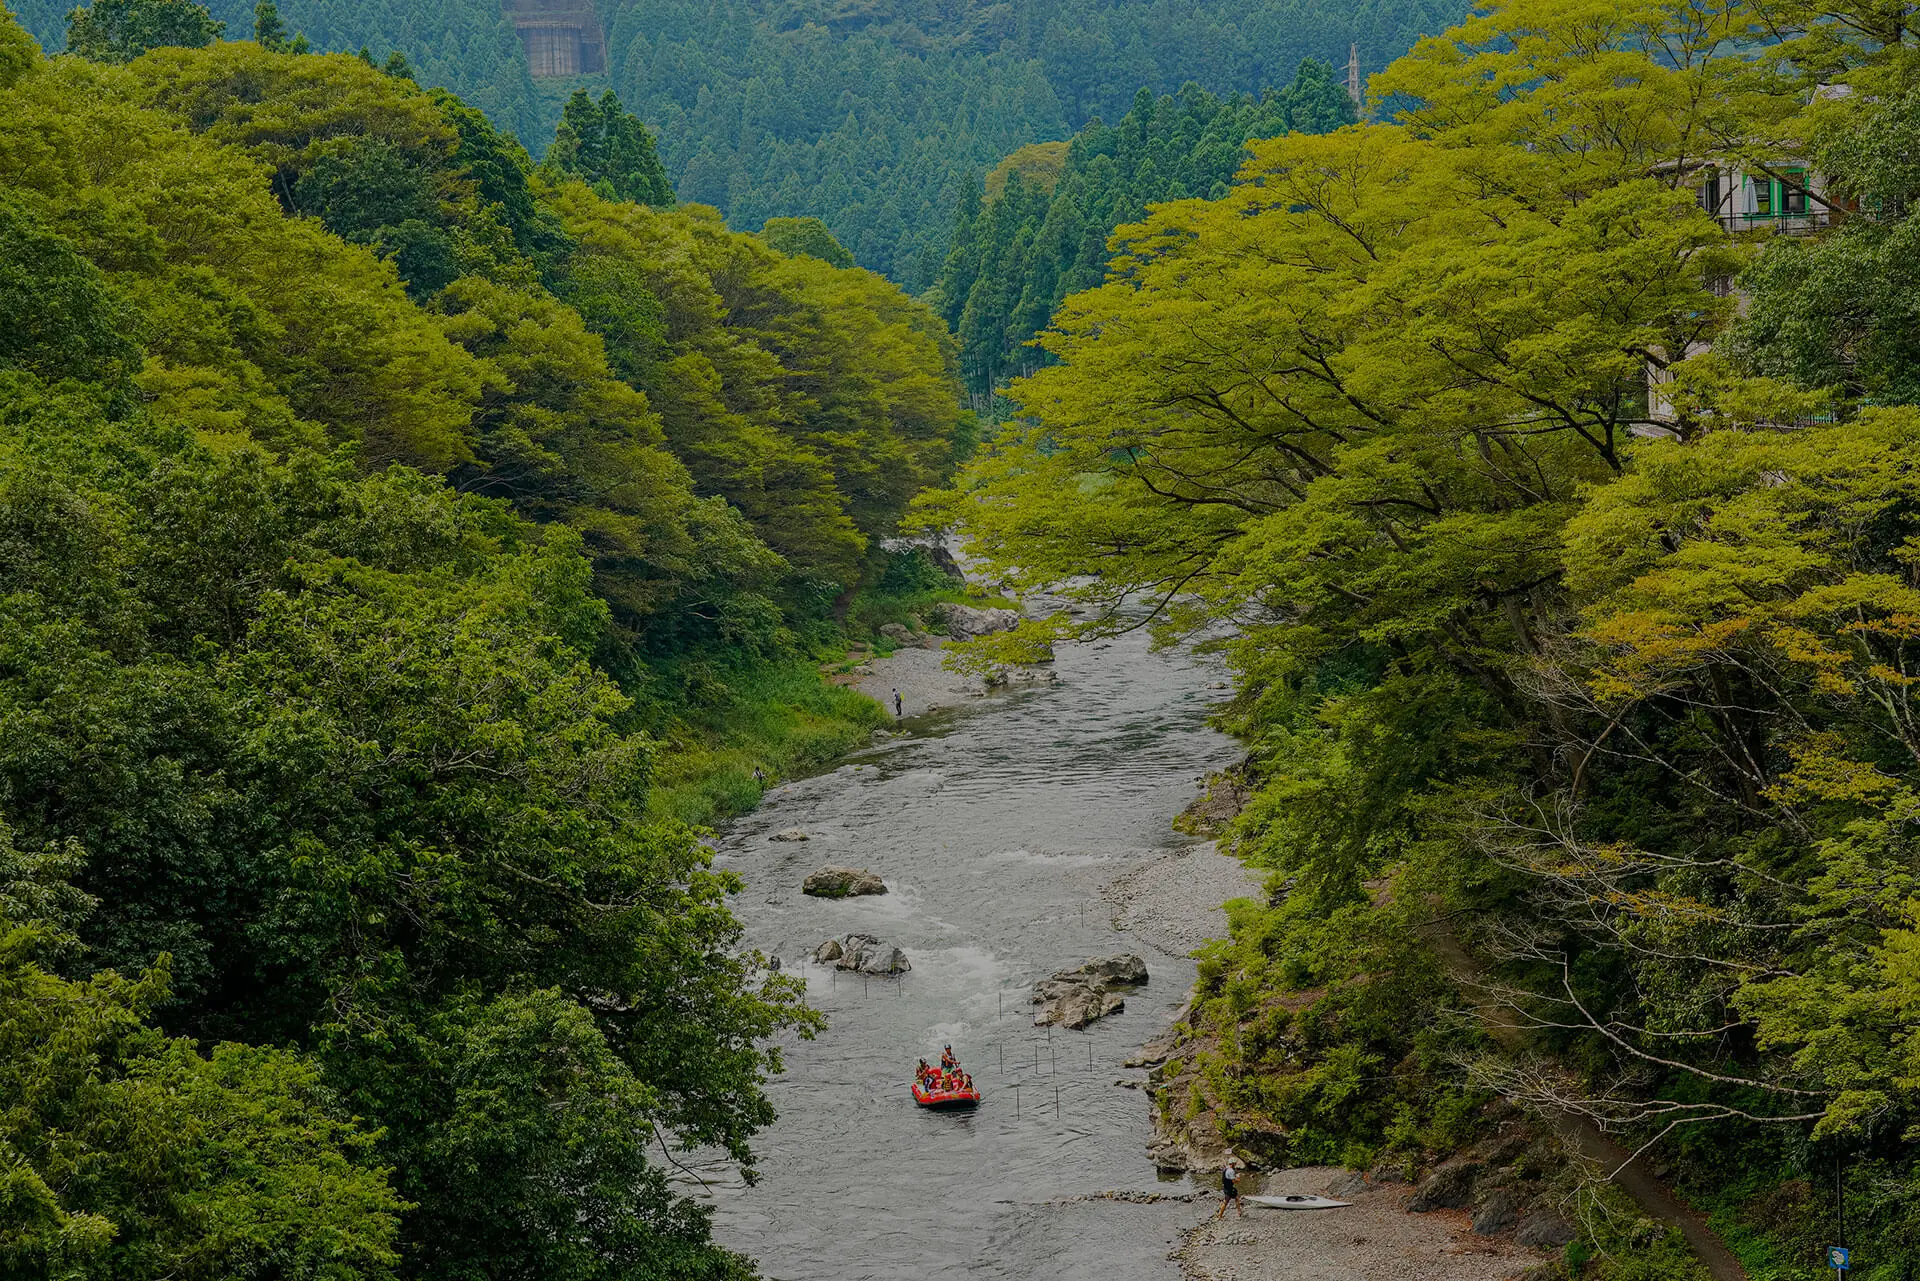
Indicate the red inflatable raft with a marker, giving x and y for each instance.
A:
(945, 1100)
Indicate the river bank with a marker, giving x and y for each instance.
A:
(1018, 832)
(1375, 1238)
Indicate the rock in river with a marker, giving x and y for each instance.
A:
(864, 953)
(1076, 997)
(791, 834)
(964, 622)
(842, 882)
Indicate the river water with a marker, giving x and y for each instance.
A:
(994, 826)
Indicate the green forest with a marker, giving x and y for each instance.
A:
(428, 499)
(400, 546)
(1569, 545)
(1037, 230)
(874, 118)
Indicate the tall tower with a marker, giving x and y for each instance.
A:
(1353, 75)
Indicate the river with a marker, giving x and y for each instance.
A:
(995, 826)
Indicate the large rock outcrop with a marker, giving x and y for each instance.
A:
(903, 636)
(1074, 998)
(864, 954)
(964, 622)
(842, 882)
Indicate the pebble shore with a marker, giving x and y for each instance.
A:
(1373, 1239)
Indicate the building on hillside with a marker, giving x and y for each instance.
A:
(1788, 199)
(562, 37)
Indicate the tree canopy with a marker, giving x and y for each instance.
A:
(874, 119)
(373, 508)
(1041, 234)
(122, 30)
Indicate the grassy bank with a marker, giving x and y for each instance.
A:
(781, 715)
(781, 718)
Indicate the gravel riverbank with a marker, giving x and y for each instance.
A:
(1373, 1239)
(1175, 903)
(924, 685)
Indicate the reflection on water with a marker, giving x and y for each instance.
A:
(994, 828)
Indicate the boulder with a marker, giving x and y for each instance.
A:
(1076, 997)
(883, 958)
(964, 622)
(864, 954)
(791, 834)
(1351, 1183)
(903, 636)
(1124, 970)
(1497, 1214)
(1449, 1187)
(842, 882)
(1544, 1230)
(1082, 1007)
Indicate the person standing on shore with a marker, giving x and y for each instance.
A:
(1229, 1191)
(898, 705)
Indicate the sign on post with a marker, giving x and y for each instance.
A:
(1839, 1258)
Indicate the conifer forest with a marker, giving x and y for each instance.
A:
(457, 458)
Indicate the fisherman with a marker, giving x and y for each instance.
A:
(899, 706)
(1229, 1192)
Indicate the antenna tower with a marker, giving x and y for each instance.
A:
(1353, 74)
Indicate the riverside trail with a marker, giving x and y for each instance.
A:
(995, 826)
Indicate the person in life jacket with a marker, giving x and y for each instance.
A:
(946, 1058)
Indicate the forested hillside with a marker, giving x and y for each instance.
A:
(385, 527)
(872, 117)
(469, 46)
(1578, 676)
(875, 117)
(1041, 232)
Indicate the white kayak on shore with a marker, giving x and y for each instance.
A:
(1296, 1201)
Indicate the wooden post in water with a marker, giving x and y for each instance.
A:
(1056, 1099)
(1016, 1102)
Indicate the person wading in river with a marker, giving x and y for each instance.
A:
(1229, 1193)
